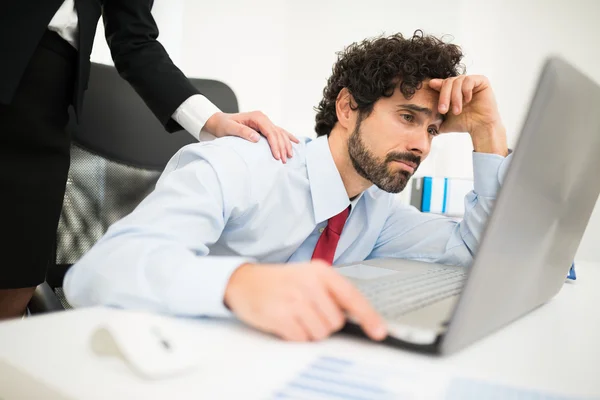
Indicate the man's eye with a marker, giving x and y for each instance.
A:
(408, 117)
(433, 132)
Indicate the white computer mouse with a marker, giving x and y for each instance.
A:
(154, 347)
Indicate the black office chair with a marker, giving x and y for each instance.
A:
(119, 150)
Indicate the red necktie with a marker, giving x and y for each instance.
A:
(325, 248)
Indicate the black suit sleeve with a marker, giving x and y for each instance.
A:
(131, 34)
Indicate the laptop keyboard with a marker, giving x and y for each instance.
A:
(395, 297)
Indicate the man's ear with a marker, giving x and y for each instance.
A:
(345, 108)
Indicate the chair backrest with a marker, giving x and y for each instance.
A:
(117, 125)
(119, 150)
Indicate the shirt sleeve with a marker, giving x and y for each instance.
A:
(411, 234)
(157, 258)
(192, 115)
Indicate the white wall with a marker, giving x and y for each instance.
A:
(241, 43)
(277, 54)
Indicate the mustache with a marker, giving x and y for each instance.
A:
(406, 157)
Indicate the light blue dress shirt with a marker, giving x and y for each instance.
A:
(223, 203)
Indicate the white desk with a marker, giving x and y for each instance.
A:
(555, 348)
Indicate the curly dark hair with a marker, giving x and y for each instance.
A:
(373, 68)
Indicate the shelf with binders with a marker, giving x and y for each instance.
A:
(440, 195)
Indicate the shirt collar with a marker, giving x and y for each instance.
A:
(329, 196)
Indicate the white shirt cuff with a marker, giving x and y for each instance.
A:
(488, 173)
(192, 115)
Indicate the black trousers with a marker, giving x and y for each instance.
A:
(34, 163)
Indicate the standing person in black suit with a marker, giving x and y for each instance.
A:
(45, 48)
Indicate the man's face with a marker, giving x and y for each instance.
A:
(387, 147)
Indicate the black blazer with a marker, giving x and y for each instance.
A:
(130, 33)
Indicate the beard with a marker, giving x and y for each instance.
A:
(378, 171)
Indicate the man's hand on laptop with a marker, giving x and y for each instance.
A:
(299, 302)
(469, 104)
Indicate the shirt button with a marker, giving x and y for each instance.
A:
(321, 230)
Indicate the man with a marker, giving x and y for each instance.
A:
(214, 238)
(45, 46)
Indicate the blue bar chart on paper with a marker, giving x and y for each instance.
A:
(336, 378)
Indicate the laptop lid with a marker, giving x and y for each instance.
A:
(542, 209)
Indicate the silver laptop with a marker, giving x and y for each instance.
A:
(529, 243)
